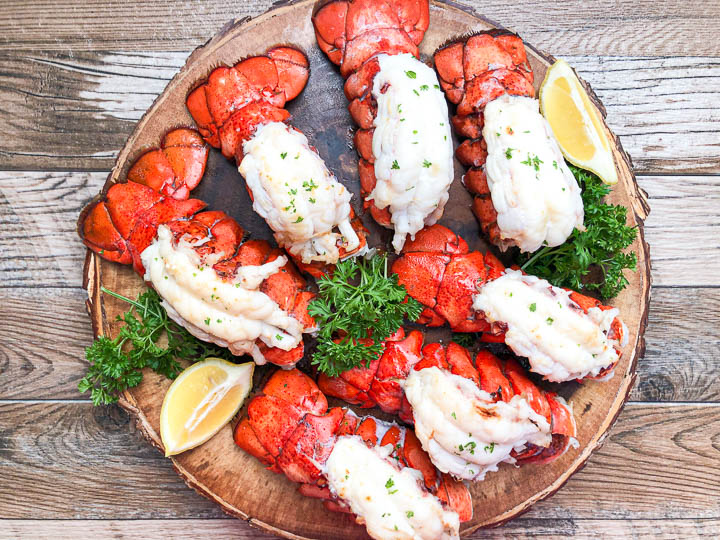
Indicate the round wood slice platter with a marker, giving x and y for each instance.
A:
(221, 471)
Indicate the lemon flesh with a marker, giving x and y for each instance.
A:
(201, 401)
(576, 123)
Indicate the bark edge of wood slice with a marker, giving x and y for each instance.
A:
(219, 470)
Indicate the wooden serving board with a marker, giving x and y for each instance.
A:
(221, 471)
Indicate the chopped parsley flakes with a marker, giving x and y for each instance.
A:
(533, 162)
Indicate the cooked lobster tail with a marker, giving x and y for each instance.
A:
(159, 182)
(524, 193)
(467, 290)
(382, 384)
(291, 429)
(405, 164)
(231, 108)
(473, 72)
(121, 224)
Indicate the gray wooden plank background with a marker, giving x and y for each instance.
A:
(76, 76)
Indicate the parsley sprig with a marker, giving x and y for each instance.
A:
(358, 302)
(117, 364)
(599, 247)
(467, 340)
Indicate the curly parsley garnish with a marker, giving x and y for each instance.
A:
(600, 247)
(467, 340)
(117, 364)
(358, 302)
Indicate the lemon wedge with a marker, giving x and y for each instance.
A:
(576, 123)
(201, 401)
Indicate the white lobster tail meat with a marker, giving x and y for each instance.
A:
(465, 433)
(390, 501)
(535, 194)
(411, 145)
(559, 339)
(293, 190)
(229, 313)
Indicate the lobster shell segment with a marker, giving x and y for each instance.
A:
(233, 101)
(156, 179)
(351, 32)
(120, 224)
(174, 169)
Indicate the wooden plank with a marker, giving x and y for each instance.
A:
(663, 109)
(683, 340)
(43, 334)
(658, 463)
(74, 110)
(682, 228)
(228, 529)
(602, 27)
(39, 247)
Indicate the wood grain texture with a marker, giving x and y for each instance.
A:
(656, 28)
(660, 462)
(683, 228)
(43, 333)
(38, 238)
(74, 110)
(226, 529)
(74, 79)
(39, 247)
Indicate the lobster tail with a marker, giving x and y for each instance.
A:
(234, 101)
(500, 394)
(403, 140)
(116, 225)
(291, 429)
(351, 32)
(240, 109)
